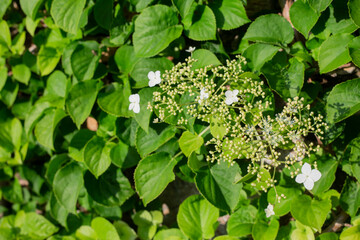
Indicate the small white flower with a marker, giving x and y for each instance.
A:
(154, 78)
(269, 211)
(134, 100)
(231, 96)
(191, 49)
(203, 95)
(308, 176)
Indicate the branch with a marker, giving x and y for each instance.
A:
(338, 222)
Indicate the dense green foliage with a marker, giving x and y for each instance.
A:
(83, 157)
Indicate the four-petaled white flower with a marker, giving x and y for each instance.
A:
(191, 49)
(269, 211)
(203, 95)
(308, 176)
(154, 78)
(231, 96)
(134, 100)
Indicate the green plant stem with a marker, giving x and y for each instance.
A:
(204, 131)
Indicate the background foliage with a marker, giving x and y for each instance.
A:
(75, 163)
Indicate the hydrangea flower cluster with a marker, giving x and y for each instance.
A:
(239, 106)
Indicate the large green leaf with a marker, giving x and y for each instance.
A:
(354, 11)
(204, 58)
(57, 84)
(115, 99)
(197, 218)
(173, 233)
(315, 212)
(111, 189)
(343, 100)
(125, 58)
(57, 211)
(328, 168)
(258, 54)
(3, 6)
(21, 73)
(5, 37)
(141, 69)
(352, 233)
(350, 197)
(147, 143)
(334, 52)
(155, 28)
(45, 128)
(9, 92)
(229, 14)
(319, 5)
(67, 14)
(270, 28)
(37, 227)
(30, 7)
(283, 207)
(3, 76)
(217, 185)
(81, 99)
(287, 80)
(67, 183)
(153, 174)
(104, 229)
(84, 60)
(189, 143)
(241, 222)
(97, 155)
(78, 143)
(354, 50)
(143, 119)
(305, 232)
(200, 23)
(47, 59)
(10, 134)
(103, 13)
(265, 231)
(183, 6)
(303, 17)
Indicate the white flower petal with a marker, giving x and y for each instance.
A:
(315, 175)
(228, 93)
(134, 98)
(151, 75)
(300, 178)
(309, 184)
(228, 101)
(136, 108)
(131, 106)
(157, 75)
(306, 169)
(236, 92)
(152, 83)
(235, 99)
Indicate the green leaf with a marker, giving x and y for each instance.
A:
(147, 143)
(119, 153)
(258, 54)
(3, 76)
(319, 5)
(350, 197)
(37, 227)
(270, 28)
(302, 232)
(303, 17)
(3, 6)
(204, 58)
(183, 6)
(264, 231)
(155, 28)
(189, 143)
(338, 20)
(229, 14)
(125, 58)
(84, 60)
(5, 37)
(67, 14)
(343, 101)
(9, 92)
(200, 23)
(352, 233)
(283, 207)
(153, 174)
(124, 231)
(197, 218)
(354, 11)
(143, 119)
(315, 212)
(354, 50)
(241, 222)
(78, 142)
(47, 59)
(97, 155)
(55, 163)
(21, 73)
(103, 13)
(30, 7)
(81, 99)
(142, 67)
(104, 229)
(111, 189)
(171, 234)
(57, 211)
(217, 185)
(86, 233)
(334, 52)
(10, 134)
(328, 168)
(45, 128)
(57, 84)
(287, 80)
(217, 127)
(115, 99)
(67, 183)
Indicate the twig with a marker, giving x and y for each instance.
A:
(338, 222)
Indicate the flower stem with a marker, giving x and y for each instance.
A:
(204, 131)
